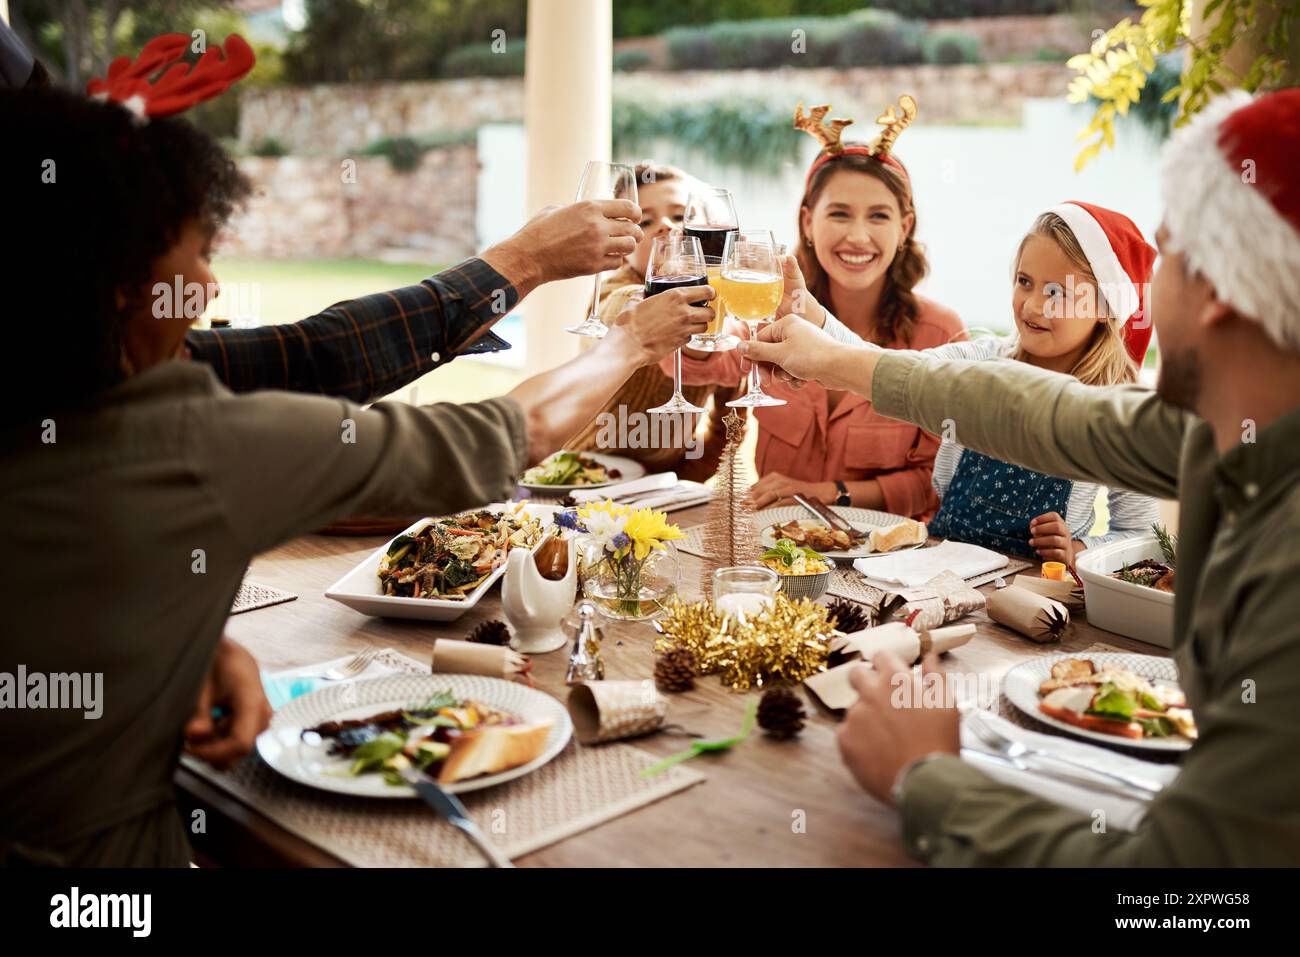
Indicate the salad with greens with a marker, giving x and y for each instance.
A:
(569, 468)
(787, 558)
(1114, 700)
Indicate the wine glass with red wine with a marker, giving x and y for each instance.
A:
(710, 217)
(675, 262)
(602, 180)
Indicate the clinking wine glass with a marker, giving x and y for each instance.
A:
(711, 217)
(675, 261)
(751, 283)
(602, 180)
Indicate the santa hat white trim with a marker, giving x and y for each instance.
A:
(1227, 229)
(1114, 284)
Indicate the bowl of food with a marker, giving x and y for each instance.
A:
(1128, 587)
(803, 572)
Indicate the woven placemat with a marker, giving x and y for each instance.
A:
(252, 595)
(579, 789)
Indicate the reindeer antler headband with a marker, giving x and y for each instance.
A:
(829, 134)
(181, 85)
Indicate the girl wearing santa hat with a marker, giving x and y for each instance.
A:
(1077, 300)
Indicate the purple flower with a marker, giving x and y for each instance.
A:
(621, 541)
(569, 519)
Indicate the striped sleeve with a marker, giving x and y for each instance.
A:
(1131, 514)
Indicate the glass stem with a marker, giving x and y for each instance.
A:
(677, 374)
(755, 387)
(595, 300)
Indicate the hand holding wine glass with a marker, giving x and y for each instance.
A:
(676, 268)
(796, 299)
(661, 323)
(603, 181)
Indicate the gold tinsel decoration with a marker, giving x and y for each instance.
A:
(730, 534)
(782, 646)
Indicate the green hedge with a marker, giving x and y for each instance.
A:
(951, 47)
(865, 38)
(478, 59)
(749, 133)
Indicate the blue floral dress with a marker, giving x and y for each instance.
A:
(991, 502)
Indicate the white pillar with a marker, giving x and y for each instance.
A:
(567, 87)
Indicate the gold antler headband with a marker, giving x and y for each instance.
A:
(829, 133)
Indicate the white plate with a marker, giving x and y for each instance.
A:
(1022, 682)
(360, 589)
(863, 519)
(629, 469)
(281, 745)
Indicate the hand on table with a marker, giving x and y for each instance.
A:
(1049, 537)
(777, 489)
(234, 684)
(661, 323)
(877, 739)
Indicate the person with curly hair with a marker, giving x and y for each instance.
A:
(137, 488)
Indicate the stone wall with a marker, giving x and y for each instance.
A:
(316, 207)
(338, 120)
(1003, 38)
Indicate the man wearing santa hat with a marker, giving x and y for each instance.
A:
(1222, 433)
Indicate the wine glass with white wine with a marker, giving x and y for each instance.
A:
(751, 284)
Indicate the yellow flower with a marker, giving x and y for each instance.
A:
(649, 530)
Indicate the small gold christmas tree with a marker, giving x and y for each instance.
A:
(730, 534)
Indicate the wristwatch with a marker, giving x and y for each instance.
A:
(843, 499)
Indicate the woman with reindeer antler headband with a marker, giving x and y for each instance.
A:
(857, 257)
(156, 486)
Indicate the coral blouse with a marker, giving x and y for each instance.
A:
(806, 440)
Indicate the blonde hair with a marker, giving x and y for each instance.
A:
(1106, 360)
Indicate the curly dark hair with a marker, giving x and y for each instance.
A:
(100, 196)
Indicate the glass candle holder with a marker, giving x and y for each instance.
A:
(744, 591)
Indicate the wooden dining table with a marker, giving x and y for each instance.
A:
(767, 802)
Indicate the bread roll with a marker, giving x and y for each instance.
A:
(493, 748)
(905, 533)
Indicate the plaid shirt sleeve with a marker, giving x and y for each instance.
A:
(366, 348)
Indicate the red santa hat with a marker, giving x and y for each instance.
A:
(1121, 261)
(1232, 205)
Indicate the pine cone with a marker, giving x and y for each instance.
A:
(780, 713)
(676, 669)
(568, 502)
(490, 632)
(848, 616)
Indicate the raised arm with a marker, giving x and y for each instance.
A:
(1121, 436)
(366, 348)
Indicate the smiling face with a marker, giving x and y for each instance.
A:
(663, 206)
(856, 227)
(1055, 303)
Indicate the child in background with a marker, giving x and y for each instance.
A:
(1077, 301)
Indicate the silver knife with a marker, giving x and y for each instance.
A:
(449, 806)
(1083, 779)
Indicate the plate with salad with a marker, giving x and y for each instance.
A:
(1110, 697)
(467, 731)
(565, 471)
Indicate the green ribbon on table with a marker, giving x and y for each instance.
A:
(699, 747)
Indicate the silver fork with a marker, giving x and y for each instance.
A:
(350, 669)
(1017, 751)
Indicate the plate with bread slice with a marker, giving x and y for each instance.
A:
(877, 532)
(466, 731)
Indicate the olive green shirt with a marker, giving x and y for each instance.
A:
(126, 538)
(1236, 800)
